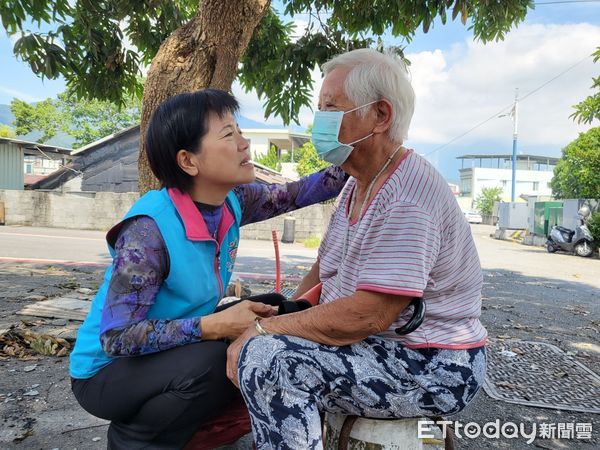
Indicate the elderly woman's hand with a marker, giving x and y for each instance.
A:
(232, 322)
(233, 354)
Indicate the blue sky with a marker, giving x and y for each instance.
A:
(458, 83)
(443, 36)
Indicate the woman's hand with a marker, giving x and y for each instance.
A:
(233, 354)
(232, 322)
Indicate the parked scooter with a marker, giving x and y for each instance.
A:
(578, 241)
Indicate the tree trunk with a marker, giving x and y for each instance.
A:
(203, 53)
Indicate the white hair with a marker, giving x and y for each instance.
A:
(375, 76)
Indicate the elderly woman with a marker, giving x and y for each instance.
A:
(397, 234)
(150, 356)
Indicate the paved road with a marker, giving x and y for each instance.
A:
(81, 247)
(78, 246)
(533, 261)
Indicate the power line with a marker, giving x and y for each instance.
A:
(554, 78)
(495, 115)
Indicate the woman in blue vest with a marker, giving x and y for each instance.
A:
(151, 354)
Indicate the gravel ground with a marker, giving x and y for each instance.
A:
(37, 410)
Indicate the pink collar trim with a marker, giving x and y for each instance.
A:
(193, 222)
(352, 222)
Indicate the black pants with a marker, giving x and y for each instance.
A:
(158, 401)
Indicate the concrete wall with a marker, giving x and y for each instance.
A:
(310, 221)
(513, 216)
(79, 210)
(101, 210)
(465, 203)
(571, 208)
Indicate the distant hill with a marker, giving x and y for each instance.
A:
(6, 116)
(64, 140)
(245, 122)
(61, 139)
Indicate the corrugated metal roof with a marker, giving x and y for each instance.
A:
(31, 179)
(11, 166)
(269, 176)
(110, 165)
(109, 138)
(33, 145)
(60, 139)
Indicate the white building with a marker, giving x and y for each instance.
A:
(455, 188)
(533, 175)
(284, 140)
(39, 165)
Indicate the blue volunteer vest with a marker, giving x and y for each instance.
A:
(199, 270)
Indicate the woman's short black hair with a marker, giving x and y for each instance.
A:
(180, 123)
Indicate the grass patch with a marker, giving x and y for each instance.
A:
(312, 242)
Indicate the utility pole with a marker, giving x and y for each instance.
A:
(291, 139)
(515, 116)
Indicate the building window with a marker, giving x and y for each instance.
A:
(465, 187)
(28, 168)
(536, 185)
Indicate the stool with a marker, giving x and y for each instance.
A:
(352, 432)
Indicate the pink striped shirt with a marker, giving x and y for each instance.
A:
(413, 240)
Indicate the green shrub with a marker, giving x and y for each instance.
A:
(312, 242)
(308, 160)
(269, 159)
(485, 201)
(594, 226)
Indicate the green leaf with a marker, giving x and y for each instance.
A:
(105, 45)
(308, 160)
(577, 174)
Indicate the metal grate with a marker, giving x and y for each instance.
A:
(286, 292)
(542, 375)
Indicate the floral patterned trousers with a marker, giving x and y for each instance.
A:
(287, 381)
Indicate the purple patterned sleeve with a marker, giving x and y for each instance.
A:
(140, 265)
(263, 201)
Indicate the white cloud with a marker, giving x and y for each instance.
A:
(18, 94)
(300, 28)
(481, 79)
(252, 108)
(460, 88)
(250, 105)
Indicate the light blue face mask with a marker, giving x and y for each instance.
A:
(325, 133)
